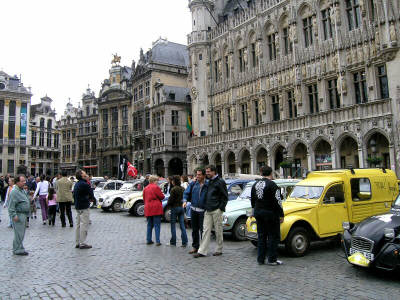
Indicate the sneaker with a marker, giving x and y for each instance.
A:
(77, 246)
(158, 244)
(22, 253)
(71, 225)
(44, 223)
(193, 251)
(150, 243)
(35, 217)
(275, 263)
(85, 246)
(184, 245)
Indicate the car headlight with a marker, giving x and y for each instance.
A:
(346, 225)
(224, 219)
(389, 233)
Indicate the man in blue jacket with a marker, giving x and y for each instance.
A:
(196, 194)
(83, 193)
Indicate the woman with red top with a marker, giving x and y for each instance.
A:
(153, 210)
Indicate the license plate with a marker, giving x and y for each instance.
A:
(359, 260)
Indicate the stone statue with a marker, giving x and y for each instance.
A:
(341, 84)
(392, 32)
(348, 57)
(220, 68)
(233, 110)
(262, 105)
(314, 25)
(245, 57)
(277, 42)
(258, 49)
(297, 95)
(292, 33)
(334, 62)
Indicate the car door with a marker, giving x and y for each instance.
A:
(332, 210)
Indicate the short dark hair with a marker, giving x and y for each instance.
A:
(212, 168)
(266, 171)
(64, 173)
(18, 178)
(78, 174)
(202, 170)
(176, 180)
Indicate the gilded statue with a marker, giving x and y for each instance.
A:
(116, 59)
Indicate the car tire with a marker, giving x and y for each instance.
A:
(297, 241)
(117, 205)
(239, 229)
(255, 243)
(138, 209)
(167, 214)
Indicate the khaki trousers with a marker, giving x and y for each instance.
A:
(82, 225)
(212, 219)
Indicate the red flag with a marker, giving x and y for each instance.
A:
(132, 171)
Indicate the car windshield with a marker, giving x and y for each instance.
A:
(127, 187)
(307, 192)
(397, 202)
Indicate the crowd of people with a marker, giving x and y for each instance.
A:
(207, 193)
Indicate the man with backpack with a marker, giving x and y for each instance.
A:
(196, 194)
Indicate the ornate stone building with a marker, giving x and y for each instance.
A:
(87, 134)
(302, 84)
(68, 126)
(15, 102)
(115, 119)
(44, 152)
(160, 106)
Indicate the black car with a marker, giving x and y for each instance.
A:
(374, 242)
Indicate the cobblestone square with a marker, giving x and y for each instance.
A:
(122, 266)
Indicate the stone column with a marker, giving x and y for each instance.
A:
(333, 156)
(361, 157)
(392, 156)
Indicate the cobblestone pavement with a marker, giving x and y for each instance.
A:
(122, 266)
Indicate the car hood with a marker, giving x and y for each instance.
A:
(117, 193)
(238, 204)
(296, 206)
(372, 228)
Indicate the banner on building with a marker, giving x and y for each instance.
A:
(23, 122)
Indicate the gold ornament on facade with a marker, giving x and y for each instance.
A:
(116, 59)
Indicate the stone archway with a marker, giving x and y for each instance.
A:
(245, 160)
(159, 167)
(261, 159)
(323, 155)
(231, 163)
(300, 162)
(378, 149)
(205, 160)
(218, 163)
(193, 164)
(348, 153)
(175, 166)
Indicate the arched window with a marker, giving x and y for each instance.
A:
(285, 42)
(49, 124)
(327, 32)
(307, 23)
(242, 55)
(253, 51)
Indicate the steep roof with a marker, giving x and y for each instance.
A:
(180, 93)
(166, 52)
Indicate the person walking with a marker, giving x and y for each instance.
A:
(64, 198)
(83, 193)
(177, 211)
(153, 209)
(42, 190)
(18, 209)
(33, 205)
(196, 194)
(266, 201)
(51, 202)
(216, 200)
(10, 186)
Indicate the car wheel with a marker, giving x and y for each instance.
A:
(138, 209)
(116, 206)
(255, 243)
(167, 214)
(239, 230)
(298, 241)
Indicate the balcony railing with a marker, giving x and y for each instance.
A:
(373, 109)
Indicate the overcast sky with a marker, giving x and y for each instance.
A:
(61, 46)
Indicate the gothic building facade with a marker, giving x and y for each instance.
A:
(300, 84)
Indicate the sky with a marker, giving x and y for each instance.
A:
(59, 47)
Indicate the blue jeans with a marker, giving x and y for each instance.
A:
(178, 212)
(153, 221)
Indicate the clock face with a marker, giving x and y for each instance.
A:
(2, 86)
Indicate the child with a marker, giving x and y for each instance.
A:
(52, 204)
(33, 205)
